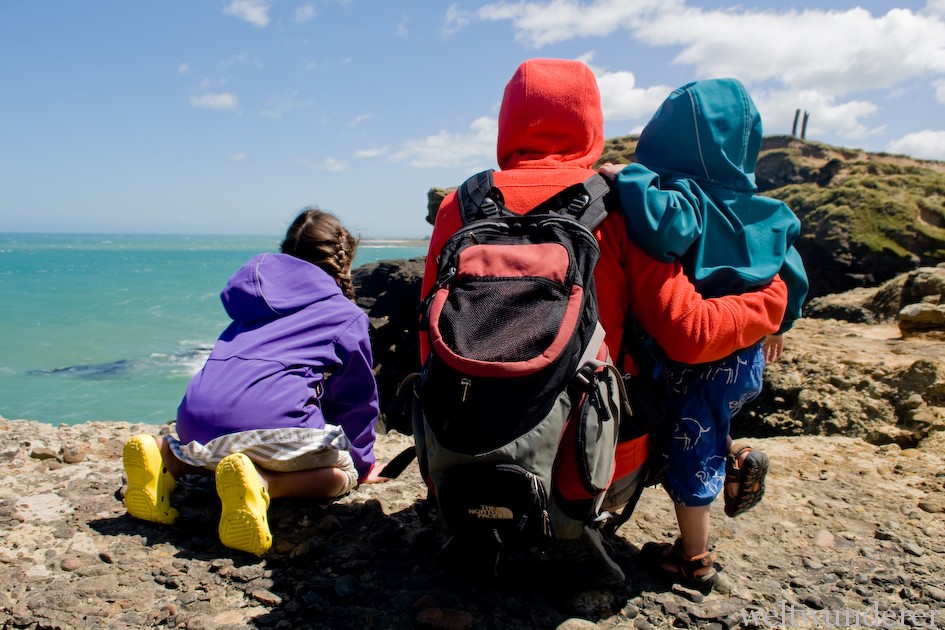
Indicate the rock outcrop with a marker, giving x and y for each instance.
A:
(389, 292)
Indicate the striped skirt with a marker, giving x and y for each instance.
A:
(282, 450)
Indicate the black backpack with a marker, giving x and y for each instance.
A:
(518, 408)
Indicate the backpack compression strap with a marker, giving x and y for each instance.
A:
(587, 202)
(479, 198)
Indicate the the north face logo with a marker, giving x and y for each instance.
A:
(492, 511)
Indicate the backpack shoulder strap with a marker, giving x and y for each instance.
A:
(587, 202)
(479, 198)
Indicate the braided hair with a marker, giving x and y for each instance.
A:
(319, 237)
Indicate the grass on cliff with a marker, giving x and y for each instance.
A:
(882, 206)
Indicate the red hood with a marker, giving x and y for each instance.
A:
(550, 117)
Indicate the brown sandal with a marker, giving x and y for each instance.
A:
(670, 561)
(750, 477)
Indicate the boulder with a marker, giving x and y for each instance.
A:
(389, 292)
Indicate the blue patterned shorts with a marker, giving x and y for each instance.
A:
(701, 400)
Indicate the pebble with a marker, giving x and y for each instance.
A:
(814, 601)
(812, 564)
(575, 623)
(883, 534)
(44, 453)
(935, 592)
(824, 538)
(934, 505)
(689, 593)
(70, 564)
(74, 454)
(266, 597)
(630, 611)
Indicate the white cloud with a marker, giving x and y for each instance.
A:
(845, 118)
(238, 157)
(939, 90)
(622, 100)
(542, 23)
(400, 28)
(241, 59)
(370, 153)
(305, 13)
(331, 165)
(927, 145)
(840, 51)
(468, 150)
(215, 100)
(255, 12)
(935, 7)
(455, 20)
(360, 119)
(183, 68)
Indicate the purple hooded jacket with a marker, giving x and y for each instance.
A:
(296, 355)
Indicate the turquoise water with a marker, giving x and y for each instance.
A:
(112, 327)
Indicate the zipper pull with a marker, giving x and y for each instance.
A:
(446, 277)
(466, 384)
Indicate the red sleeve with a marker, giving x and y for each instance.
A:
(690, 328)
(610, 279)
(447, 223)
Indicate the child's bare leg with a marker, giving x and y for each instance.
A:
(174, 465)
(317, 483)
(689, 558)
(693, 528)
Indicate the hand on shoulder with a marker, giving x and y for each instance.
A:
(610, 170)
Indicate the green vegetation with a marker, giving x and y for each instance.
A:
(882, 206)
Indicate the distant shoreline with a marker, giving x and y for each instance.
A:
(394, 242)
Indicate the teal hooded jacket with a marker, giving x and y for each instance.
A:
(692, 195)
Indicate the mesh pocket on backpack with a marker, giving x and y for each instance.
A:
(512, 320)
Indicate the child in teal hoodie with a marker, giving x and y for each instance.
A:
(692, 196)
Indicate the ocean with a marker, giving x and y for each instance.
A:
(112, 327)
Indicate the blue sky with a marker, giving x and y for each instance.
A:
(228, 116)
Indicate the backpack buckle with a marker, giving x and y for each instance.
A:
(585, 376)
(578, 204)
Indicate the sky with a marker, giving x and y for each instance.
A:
(230, 116)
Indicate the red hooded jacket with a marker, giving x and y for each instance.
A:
(551, 133)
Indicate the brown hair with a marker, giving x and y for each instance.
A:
(319, 238)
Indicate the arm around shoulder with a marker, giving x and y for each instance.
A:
(693, 329)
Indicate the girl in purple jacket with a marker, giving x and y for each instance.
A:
(285, 405)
